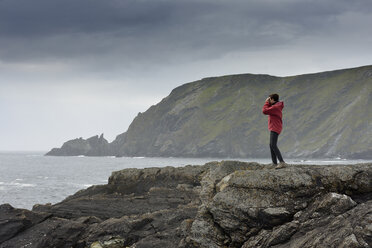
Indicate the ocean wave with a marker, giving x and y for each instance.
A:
(80, 186)
(331, 161)
(339, 158)
(42, 177)
(20, 185)
(323, 161)
(24, 184)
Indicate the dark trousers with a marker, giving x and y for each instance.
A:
(275, 153)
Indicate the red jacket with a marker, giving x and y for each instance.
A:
(275, 115)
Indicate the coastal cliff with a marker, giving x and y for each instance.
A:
(326, 114)
(219, 204)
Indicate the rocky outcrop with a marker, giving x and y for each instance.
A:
(14, 221)
(133, 192)
(222, 117)
(299, 206)
(94, 146)
(220, 204)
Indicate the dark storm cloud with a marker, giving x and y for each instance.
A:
(134, 31)
(49, 17)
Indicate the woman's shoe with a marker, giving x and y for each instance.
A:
(281, 165)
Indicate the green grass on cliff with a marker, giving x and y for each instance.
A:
(325, 114)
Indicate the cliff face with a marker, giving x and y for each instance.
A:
(220, 204)
(325, 115)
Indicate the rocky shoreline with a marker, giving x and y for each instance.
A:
(219, 204)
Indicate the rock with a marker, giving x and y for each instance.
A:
(94, 146)
(14, 221)
(138, 181)
(221, 204)
(112, 243)
(246, 204)
(307, 230)
(349, 229)
(330, 204)
(269, 238)
(133, 192)
(53, 232)
(350, 242)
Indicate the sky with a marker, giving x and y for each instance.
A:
(79, 68)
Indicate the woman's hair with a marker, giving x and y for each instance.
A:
(275, 97)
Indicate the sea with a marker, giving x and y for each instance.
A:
(29, 178)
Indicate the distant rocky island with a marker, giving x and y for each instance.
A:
(94, 146)
(326, 114)
(219, 204)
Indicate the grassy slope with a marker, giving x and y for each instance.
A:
(325, 114)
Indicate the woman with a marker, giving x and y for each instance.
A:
(273, 108)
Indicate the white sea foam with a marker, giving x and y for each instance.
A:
(21, 185)
(321, 161)
(339, 158)
(80, 186)
(15, 183)
(25, 185)
(42, 177)
(138, 157)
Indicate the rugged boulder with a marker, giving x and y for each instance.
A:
(262, 207)
(220, 204)
(13, 221)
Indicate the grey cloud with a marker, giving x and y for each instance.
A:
(24, 18)
(148, 31)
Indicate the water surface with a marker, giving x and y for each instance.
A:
(28, 178)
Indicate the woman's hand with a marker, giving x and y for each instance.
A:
(268, 99)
